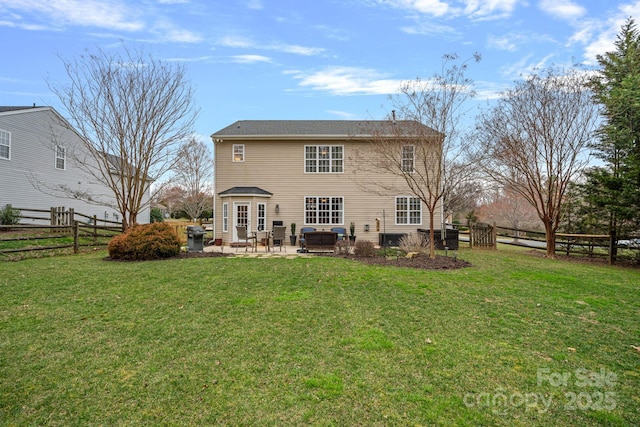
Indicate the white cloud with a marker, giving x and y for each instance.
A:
(345, 81)
(563, 9)
(506, 42)
(490, 9)
(255, 4)
(236, 41)
(169, 32)
(246, 43)
(88, 13)
(250, 59)
(426, 28)
(524, 67)
(430, 7)
(474, 9)
(599, 36)
(344, 115)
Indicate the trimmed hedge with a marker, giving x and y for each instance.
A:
(145, 242)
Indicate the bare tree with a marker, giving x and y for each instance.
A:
(421, 144)
(510, 208)
(131, 112)
(194, 173)
(535, 139)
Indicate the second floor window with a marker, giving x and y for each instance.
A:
(61, 157)
(408, 156)
(323, 159)
(238, 152)
(5, 145)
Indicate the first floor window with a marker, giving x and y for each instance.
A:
(5, 145)
(408, 210)
(262, 216)
(61, 156)
(225, 217)
(323, 210)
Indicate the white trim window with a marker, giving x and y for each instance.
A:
(324, 158)
(408, 158)
(408, 210)
(238, 152)
(323, 210)
(61, 157)
(5, 145)
(225, 217)
(262, 216)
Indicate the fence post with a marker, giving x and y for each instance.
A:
(95, 227)
(612, 247)
(494, 236)
(76, 236)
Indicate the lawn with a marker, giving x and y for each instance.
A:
(513, 340)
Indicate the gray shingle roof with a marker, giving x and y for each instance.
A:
(313, 128)
(4, 109)
(255, 191)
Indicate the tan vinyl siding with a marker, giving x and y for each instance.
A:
(279, 168)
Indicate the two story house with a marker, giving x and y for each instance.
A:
(39, 156)
(314, 173)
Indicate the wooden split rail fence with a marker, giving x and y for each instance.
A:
(58, 229)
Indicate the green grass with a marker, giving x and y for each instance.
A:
(317, 341)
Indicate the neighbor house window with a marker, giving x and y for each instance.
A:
(323, 159)
(5, 145)
(61, 157)
(408, 156)
(238, 152)
(323, 210)
(225, 217)
(262, 216)
(408, 210)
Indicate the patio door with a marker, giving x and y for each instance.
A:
(241, 217)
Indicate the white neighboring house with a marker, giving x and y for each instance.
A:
(39, 170)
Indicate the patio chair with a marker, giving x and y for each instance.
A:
(342, 244)
(303, 231)
(342, 232)
(277, 237)
(241, 230)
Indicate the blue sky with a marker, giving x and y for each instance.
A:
(323, 59)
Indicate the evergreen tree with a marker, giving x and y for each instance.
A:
(615, 186)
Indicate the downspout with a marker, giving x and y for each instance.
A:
(215, 196)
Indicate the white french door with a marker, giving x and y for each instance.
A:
(241, 217)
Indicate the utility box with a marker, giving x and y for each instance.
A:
(450, 241)
(195, 238)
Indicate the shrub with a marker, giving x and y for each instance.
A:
(156, 215)
(9, 215)
(144, 242)
(364, 248)
(414, 242)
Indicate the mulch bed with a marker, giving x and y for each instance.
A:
(421, 261)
